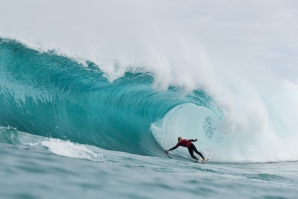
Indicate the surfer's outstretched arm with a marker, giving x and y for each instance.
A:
(175, 147)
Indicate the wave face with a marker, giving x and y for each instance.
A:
(54, 96)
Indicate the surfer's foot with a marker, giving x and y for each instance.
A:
(204, 160)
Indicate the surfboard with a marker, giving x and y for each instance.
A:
(197, 161)
(169, 156)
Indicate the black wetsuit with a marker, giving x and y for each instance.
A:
(192, 148)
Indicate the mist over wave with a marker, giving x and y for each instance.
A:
(126, 73)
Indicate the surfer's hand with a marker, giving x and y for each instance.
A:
(166, 151)
(196, 140)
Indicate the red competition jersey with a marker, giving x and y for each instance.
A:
(184, 143)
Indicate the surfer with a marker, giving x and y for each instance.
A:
(191, 148)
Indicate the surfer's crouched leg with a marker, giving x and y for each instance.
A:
(192, 147)
(190, 150)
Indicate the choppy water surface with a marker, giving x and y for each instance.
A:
(38, 167)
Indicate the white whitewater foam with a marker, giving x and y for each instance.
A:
(72, 150)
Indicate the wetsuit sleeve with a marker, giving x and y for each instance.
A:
(192, 140)
(175, 147)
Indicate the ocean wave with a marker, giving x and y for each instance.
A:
(47, 94)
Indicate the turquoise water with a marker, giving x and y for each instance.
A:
(66, 131)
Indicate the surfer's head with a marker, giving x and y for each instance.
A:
(179, 139)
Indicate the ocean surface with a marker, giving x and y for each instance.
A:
(40, 167)
(67, 131)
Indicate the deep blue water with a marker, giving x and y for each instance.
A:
(66, 131)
